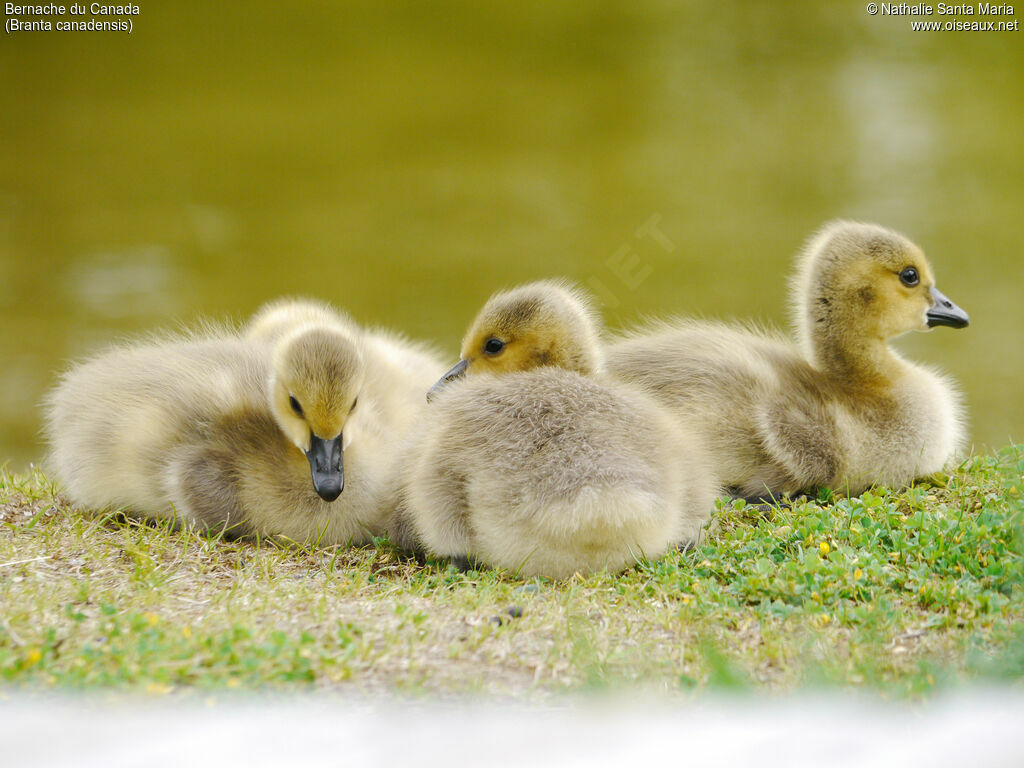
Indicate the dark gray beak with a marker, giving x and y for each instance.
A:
(457, 372)
(945, 312)
(325, 459)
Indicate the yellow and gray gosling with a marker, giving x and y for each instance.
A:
(838, 409)
(396, 372)
(289, 436)
(535, 462)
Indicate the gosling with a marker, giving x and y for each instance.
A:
(535, 462)
(290, 436)
(840, 409)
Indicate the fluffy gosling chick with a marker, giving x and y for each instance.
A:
(537, 463)
(839, 409)
(219, 431)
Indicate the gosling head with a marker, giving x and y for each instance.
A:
(314, 389)
(543, 323)
(862, 281)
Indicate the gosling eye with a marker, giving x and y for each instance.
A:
(354, 402)
(909, 277)
(493, 346)
(295, 405)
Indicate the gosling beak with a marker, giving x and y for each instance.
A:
(945, 312)
(457, 372)
(325, 459)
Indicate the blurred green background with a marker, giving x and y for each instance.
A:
(406, 159)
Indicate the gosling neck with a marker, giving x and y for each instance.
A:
(861, 360)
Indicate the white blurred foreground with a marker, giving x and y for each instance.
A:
(979, 728)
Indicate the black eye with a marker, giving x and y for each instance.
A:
(909, 277)
(493, 346)
(295, 405)
(353, 405)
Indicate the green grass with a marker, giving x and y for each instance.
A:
(903, 593)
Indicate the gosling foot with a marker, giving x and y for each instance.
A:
(466, 563)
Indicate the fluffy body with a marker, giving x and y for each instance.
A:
(548, 472)
(196, 428)
(839, 408)
(548, 469)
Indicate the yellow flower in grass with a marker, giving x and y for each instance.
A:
(824, 548)
(33, 657)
